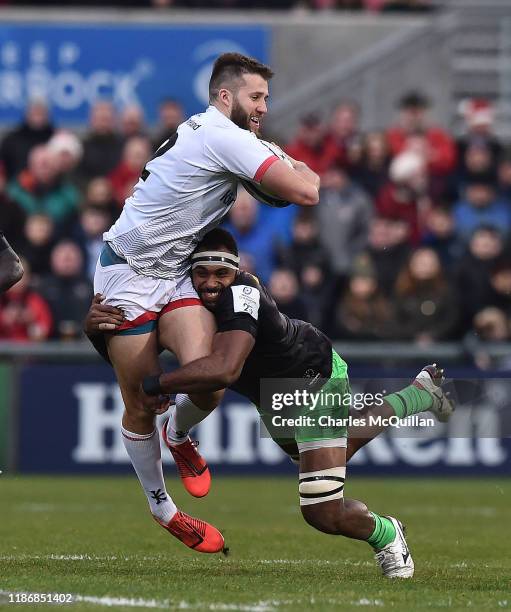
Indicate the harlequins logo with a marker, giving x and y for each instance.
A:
(159, 496)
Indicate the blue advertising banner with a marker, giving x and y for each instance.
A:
(73, 66)
(70, 416)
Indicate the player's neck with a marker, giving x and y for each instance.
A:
(222, 109)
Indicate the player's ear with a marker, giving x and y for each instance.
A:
(225, 96)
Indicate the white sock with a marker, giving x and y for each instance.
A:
(144, 452)
(183, 416)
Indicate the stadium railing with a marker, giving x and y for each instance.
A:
(81, 351)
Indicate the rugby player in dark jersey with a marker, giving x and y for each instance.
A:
(254, 341)
(11, 269)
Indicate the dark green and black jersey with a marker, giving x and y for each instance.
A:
(284, 348)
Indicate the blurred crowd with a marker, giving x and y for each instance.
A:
(369, 5)
(410, 240)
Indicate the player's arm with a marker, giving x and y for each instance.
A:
(99, 319)
(218, 370)
(11, 269)
(297, 184)
(240, 153)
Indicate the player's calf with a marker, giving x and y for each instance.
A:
(321, 487)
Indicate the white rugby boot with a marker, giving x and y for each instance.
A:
(431, 378)
(395, 559)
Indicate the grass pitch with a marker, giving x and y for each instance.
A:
(94, 538)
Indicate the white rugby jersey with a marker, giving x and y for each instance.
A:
(185, 191)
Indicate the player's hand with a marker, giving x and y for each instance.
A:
(102, 318)
(155, 404)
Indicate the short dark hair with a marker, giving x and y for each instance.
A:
(231, 67)
(414, 99)
(217, 238)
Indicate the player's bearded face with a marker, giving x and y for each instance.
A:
(242, 118)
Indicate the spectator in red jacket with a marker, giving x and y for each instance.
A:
(312, 147)
(344, 139)
(405, 197)
(136, 152)
(24, 314)
(414, 121)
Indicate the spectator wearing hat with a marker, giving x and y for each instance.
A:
(481, 207)
(479, 120)
(68, 151)
(405, 196)
(35, 130)
(439, 148)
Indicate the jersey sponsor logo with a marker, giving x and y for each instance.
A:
(193, 124)
(246, 299)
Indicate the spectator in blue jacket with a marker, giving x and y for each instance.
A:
(257, 239)
(481, 206)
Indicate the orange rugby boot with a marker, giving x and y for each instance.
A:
(192, 468)
(194, 533)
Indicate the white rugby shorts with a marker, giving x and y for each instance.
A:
(142, 298)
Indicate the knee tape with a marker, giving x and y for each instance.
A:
(321, 486)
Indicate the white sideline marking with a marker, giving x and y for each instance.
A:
(368, 602)
(122, 601)
(314, 562)
(77, 557)
(69, 507)
(89, 557)
(165, 604)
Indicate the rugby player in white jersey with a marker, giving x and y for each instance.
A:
(184, 191)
